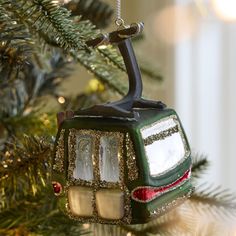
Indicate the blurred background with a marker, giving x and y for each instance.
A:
(192, 42)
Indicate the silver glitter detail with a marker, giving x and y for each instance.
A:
(160, 136)
(170, 205)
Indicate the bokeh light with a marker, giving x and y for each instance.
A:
(225, 9)
(175, 23)
(86, 226)
(61, 100)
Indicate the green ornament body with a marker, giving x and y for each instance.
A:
(108, 170)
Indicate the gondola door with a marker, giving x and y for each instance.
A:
(96, 190)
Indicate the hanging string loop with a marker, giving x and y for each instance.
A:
(119, 21)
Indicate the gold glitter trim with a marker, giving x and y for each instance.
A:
(160, 136)
(186, 148)
(131, 159)
(171, 205)
(97, 184)
(59, 156)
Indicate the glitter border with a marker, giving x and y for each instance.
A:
(171, 205)
(60, 152)
(131, 159)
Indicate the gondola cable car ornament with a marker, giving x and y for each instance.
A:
(124, 162)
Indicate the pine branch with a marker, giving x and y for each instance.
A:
(24, 93)
(24, 168)
(110, 53)
(109, 75)
(46, 17)
(105, 64)
(199, 165)
(15, 46)
(90, 59)
(37, 215)
(214, 201)
(150, 72)
(33, 123)
(96, 11)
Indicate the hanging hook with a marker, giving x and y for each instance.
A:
(117, 36)
(138, 29)
(119, 21)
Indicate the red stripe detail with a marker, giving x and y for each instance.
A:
(148, 193)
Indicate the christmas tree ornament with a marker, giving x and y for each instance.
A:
(124, 162)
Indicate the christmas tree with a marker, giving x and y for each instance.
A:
(40, 42)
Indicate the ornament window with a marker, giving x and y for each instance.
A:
(84, 158)
(95, 156)
(164, 145)
(108, 158)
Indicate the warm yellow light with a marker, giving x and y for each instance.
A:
(86, 226)
(225, 9)
(46, 122)
(61, 100)
(102, 46)
(94, 85)
(60, 1)
(7, 154)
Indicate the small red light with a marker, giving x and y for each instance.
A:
(57, 187)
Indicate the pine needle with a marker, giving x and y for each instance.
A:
(214, 201)
(199, 165)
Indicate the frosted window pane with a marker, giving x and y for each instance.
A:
(83, 162)
(163, 154)
(108, 159)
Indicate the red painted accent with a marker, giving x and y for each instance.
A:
(148, 193)
(57, 187)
